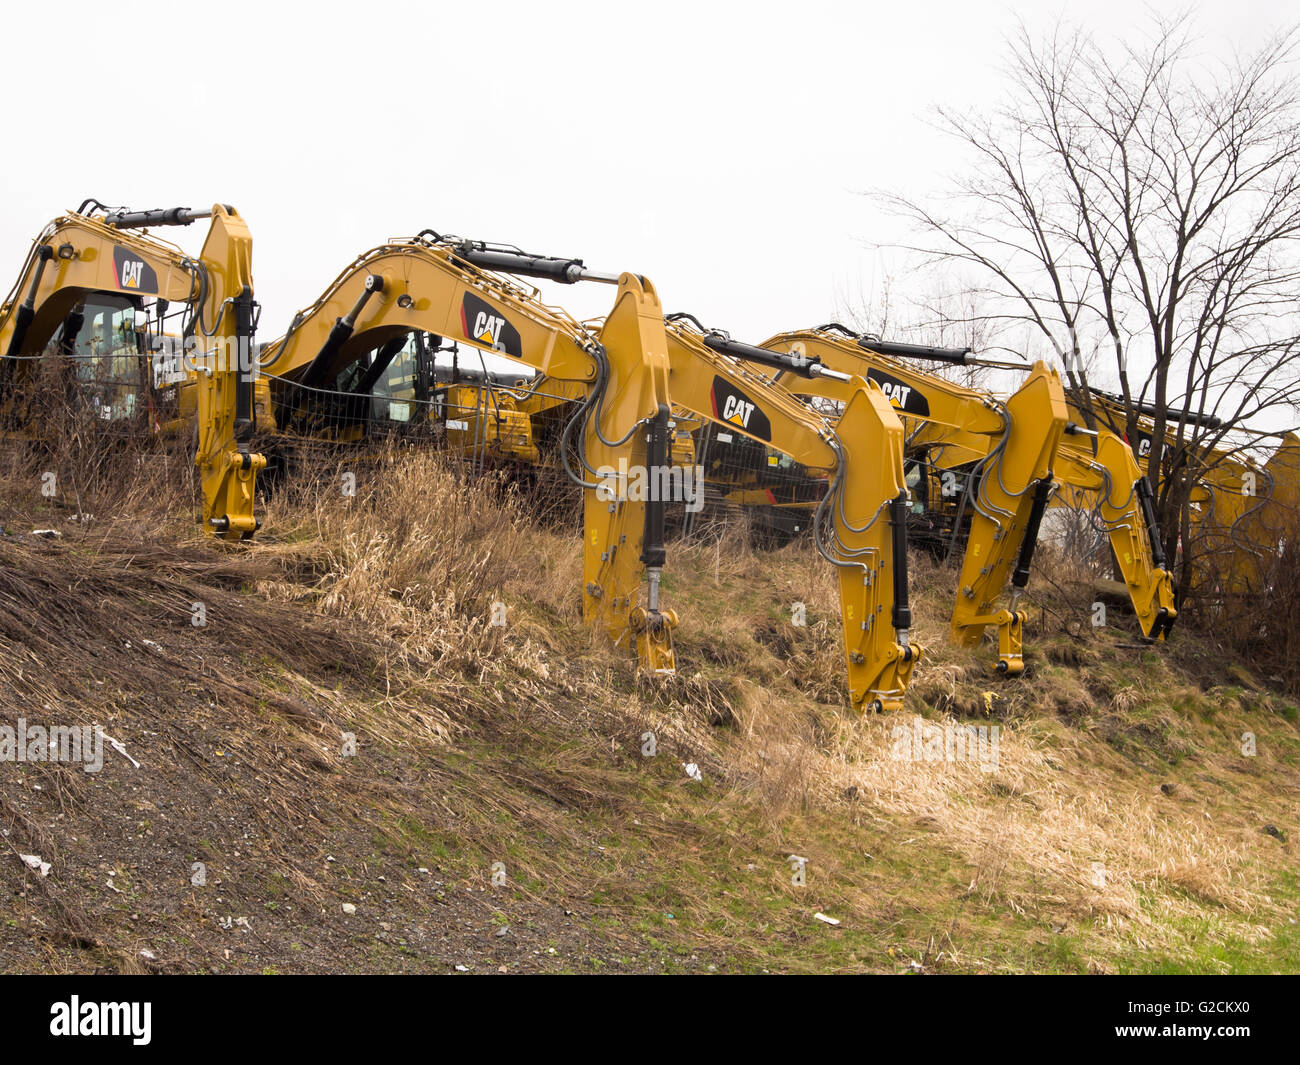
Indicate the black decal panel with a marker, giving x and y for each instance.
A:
(132, 273)
(484, 324)
(903, 397)
(732, 407)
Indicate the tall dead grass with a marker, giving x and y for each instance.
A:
(76, 467)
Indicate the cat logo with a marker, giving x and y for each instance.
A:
(487, 328)
(132, 273)
(896, 394)
(484, 324)
(733, 407)
(1144, 446)
(737, 411)
(902, 397)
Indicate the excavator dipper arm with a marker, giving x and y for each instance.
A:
(1126, 505)
(861, 526)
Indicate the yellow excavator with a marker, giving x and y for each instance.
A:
(90, 280)
(1276, 523)
(1097, 470)
(1093, 467)
(620, 377)
(861, 522)
(445, 287)
(1235, 501)
(1010, 447)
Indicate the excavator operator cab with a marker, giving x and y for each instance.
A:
(918, 486)
(393, 398)
(107, 341)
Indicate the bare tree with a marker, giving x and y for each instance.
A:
(1138, 206)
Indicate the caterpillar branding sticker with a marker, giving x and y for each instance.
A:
(484, 324)
(902, 396)
(132, 272)
(732, 406)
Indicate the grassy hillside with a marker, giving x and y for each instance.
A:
(1123, 829)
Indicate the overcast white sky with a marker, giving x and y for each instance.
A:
(719, 149)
